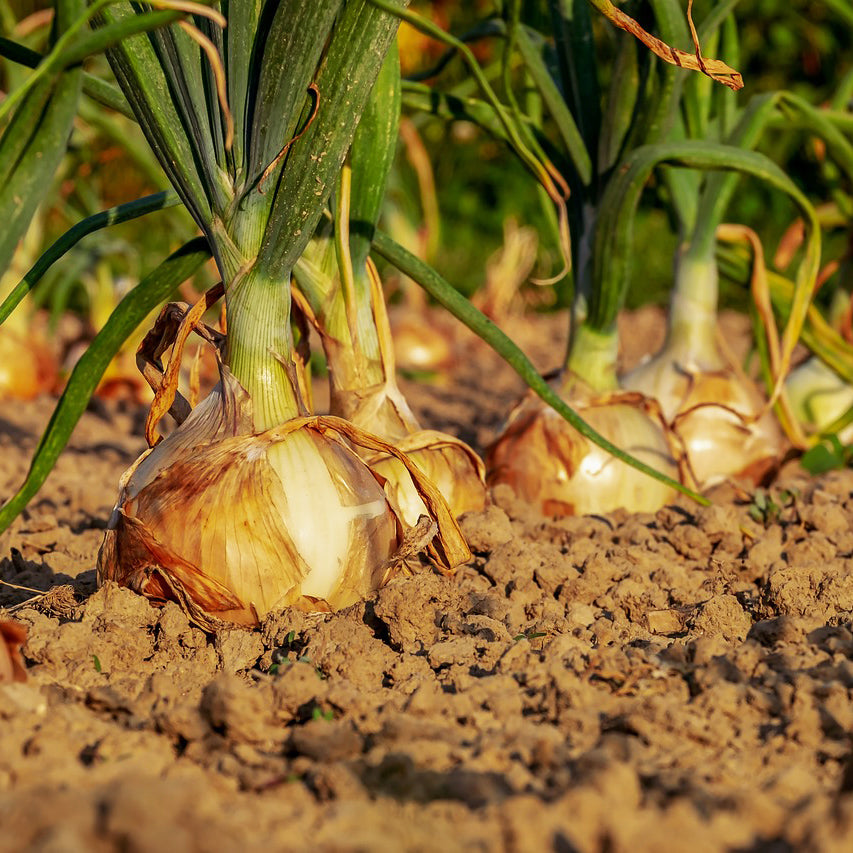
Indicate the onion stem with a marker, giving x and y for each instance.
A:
(260, 344)
(693, 307)
(592, 357)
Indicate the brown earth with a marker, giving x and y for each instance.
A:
(676, 681)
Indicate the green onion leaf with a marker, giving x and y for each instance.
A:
(156, 287)
(113, 216)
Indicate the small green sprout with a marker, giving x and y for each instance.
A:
(319, 714)
(528, 635)
(766, 510)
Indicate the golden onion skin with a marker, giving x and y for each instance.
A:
(27, 367)
(230, 528)
(554, 468)
(452, 465)
(420, 345)
(711, 410)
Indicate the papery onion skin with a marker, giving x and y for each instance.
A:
(419, 345)
(212, 520)
(711, 409)
(454, 467)
(710, 406)
(449, 462)
(552, 467)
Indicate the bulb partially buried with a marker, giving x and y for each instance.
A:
(233, 524)
(553, 467)
(712, 409)
(364, 390)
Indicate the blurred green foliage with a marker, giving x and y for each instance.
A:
(795, 44)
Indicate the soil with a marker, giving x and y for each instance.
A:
(669, 681)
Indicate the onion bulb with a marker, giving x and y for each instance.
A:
(13, 635)
(818, 396)
(232, 524)
(452, 465)
(421, 342)
(711, 408)
(28, 361)
(551, 466)
(27, 365)
(715, 410)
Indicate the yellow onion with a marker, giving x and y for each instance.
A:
(363, 390)
(28, 361)
(13, 635)
(27, 365)
(712, 406)
(232, 524)
(551, 466)
(452, 465)
(447, 461)
(421, 341)
(818, 396)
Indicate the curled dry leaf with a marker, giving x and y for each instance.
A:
(13, 635)
(716, 69)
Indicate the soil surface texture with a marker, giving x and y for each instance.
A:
(671, 681)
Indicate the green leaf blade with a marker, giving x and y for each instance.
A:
(113, 216)
(150, 292)
(353, 58)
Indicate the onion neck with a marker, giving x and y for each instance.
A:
(592, 357)
(355, 361)
(693, 311)
(260, 345)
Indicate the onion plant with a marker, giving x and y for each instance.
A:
(251, 117)
(526, 460)
(724, 422)
(620, 137)
(608, 144)
(227, 188)
(253, 502)
(341, 293)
